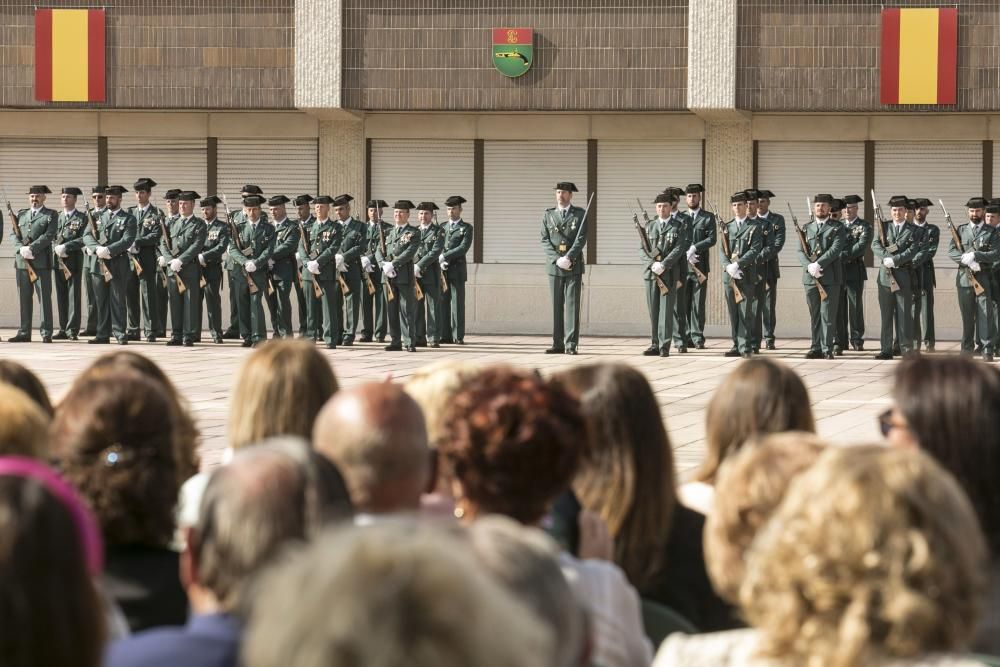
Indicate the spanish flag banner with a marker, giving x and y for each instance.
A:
(69, 55)
(919, 55)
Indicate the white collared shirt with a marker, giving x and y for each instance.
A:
(34, 211)
(851, 221)
(278, 222)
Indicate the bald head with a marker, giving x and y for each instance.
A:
(376, 435)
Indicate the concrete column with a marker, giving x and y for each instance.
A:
(318, 54)
(342, 159)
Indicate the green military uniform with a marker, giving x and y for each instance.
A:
(428, 322)
(148, 283)
(38, 228)
(69, 291)
(326, 237)
(116, 232)
(923, 303)
(90, 328)
(284, 272)
(983, 242)
(187, 239)
(826, 240)
(896, 308)
(233, 271)
(354, 243)
(397, 275)
(668, 241)
(301, 296)
(745, 244)
(374, 306)
(773, 227)
(851, 309)
(216, 244)
(458, 236)
(257, 241)
(704, 235)
(314, 304)
(680, 286)
(564, 235)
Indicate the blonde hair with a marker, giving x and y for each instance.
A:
(433, 387)
(24, 427)
(279, 390)
(750, 486)
(874, 554)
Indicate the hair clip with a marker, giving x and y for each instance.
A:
(113, 454)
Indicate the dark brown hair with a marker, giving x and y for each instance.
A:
(952, 406)
(114, 440)
(513, 441)
(19, 376)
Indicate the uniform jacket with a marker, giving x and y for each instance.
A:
(859, 239)
(116, 231)
(986, 244)
(216, 244)
(147, 235)
(564, 237)
(286, 244)
(430, 247)
(69, 233)
(669, 241)
(258, 244)
(902, 247)
(353, 245)
(402, 246)
(923, 264)
(37, 231)
(325, 239)
(745, 246)
(373, 243)
(773, 228)
(827, 243)
(457, 243)
(704, 235)
(187, 236)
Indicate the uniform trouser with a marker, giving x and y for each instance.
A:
(696, 295)
(331, 304)
(110, 303)
(150, 283)
(234, 317)
(661, 315)
(300, 300)
(565, 310)
(314, 308)
(271, 297)
(250, 307)
(69, 295)
(352, 305)
(679, 315)
(823, 317)
(896, 311)
(851, 314)
(132, 299)
(185, 309)
(427, 323)
(977, 317)
(402, 314)
(212, 295)
(741, 315)
(26, 292)
(91, 325)
(373, 310)
(767, 318)
(761, 291)
(453, 312)
(282, 318)
(923, 318)
(162, 301)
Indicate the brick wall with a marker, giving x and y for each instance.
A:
(589, 55)
(816, 55)
(169, 54)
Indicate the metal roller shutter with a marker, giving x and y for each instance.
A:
(794, 170)
(57, 163)
(423, 170)
(517, 188)
(172, 163)
(949, 170)
(630, 169)
(279, 166)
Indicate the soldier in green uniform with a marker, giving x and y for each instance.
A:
(179, 251)
(665, 270)
(373, 306)
(823, 267)
(171, 212)
(325, 239)
(427, 273)
(210, 259)
(90, 329)
(397, 275)
(979, 253)
(256, 238)
(146, 251)
(564, 234)
(837, 214)
(704, 235)
(34, 249)
(773, 227)
(894, 259)
(993, 220)
(683, 221)
(305, 217)
(233, 332)
(284, 272)
(745, 241)
(354, 242)
(115, 234)
(851, 309)
(923, 266)
(67, 253)
(458, 236)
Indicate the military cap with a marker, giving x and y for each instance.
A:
(146, 184)
(566, 185)
(342, 200)
(694, 188)
(911, 204)
(253, 200)
(752, 195)
(323, 199)
(39, 190)
(210, 201)
(377, 203)
(118, 190)
(671, 190)
(993, 208)
(278, 200)
(764, 194)
(454, 200)
(837, 205)
(403, 204)
(302, 200)
(171, 193)
(823, 199)
(98, 189)
(924, 202)
(427, 206)
(738, 197)
(188, 195)
(76, 192)
(252, 189)
(664, 198)
(898, 201)
(852, 199)
(994, 202)
(976, 202)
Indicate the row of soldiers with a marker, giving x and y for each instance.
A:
(402, 280)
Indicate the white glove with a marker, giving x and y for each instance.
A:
(250, 266)
(693, 259)
(312, 266)
(103, 253)
(564, 263)
(270, 263)
(975, 267)
(339, 259)
(161, 260)
(815, 270)
(444, 266)
(61, 250)
(889, 263)
(441, 259)
(201, 259)
(734, 271)
(89, 251)
(134, 249)
(416, 270)
(26, 253)
(657, 268)
(968, 258)
(387, 267)
(692, 250)
(298, 256)
(366, 263)
(370, 268)
(391, 274)
(175, 265)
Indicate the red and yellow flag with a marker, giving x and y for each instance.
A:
(69, 55)
(919, 55)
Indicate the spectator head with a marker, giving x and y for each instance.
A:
(279, 391)
(627, 477)
(375, 435)
(433, 387)
(949, 406)
(393, 593)
(24, 426)
(513, 443)
(525, 561)
(114, 440)
(873, 555)
(761, 396)
(50, 551)
(269, 497)
(750, 487)
(15, 374)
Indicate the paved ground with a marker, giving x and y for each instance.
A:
(846, 394)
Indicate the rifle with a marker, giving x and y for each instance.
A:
(893, 285)
(726, 250)
(32, 276)
(160, 271)
(976, 285)
(135, 260)
(647, 248)
(67, 274)
(389, 295)
(444, 278)
(698, 273)
(235, 233)
(806, 250)
(307, 246)
(105, 271)
(181, 287)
